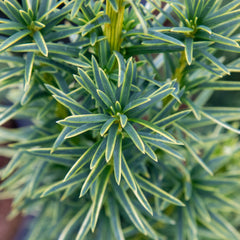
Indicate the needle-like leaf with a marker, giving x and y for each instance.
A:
(13, 39)
(135, 137)
(151, 188)
(99, 195)
(117, 158)
(42, 46)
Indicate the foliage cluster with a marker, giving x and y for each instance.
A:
(121, 141)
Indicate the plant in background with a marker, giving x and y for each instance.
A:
(122, 139)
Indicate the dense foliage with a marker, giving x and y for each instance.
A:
(119, 139)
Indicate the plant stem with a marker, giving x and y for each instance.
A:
(178, 74)
(113, 30)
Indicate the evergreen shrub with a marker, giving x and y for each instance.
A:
(121, 135)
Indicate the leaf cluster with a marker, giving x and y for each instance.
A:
(121, 144)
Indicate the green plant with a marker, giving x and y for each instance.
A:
(122, 141)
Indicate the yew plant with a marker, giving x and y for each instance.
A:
(121, 139)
